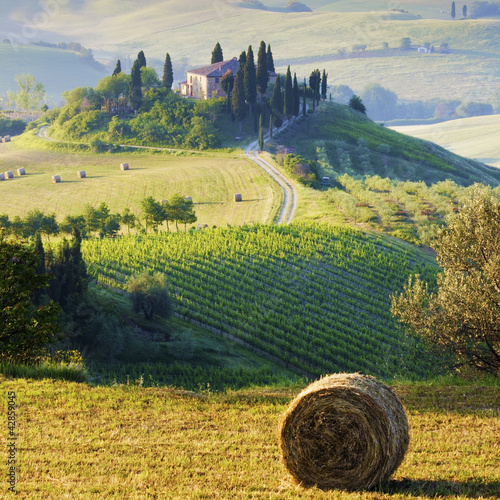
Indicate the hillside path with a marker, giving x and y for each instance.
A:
(290, 193)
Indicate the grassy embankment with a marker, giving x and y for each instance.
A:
(77, 441)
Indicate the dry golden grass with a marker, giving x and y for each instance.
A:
(81, 442)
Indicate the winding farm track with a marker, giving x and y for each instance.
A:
(251, 151)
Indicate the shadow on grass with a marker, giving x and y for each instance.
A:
(422, 487)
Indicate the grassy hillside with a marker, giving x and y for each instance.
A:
(350, 142)
(475, 137)
(315, 296)
(305, 40)
(58, 70)
(81, 442)
(211, 181)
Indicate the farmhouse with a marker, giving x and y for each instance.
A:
(204, 82)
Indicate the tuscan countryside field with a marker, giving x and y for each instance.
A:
(188, 241)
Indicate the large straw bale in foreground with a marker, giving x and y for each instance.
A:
(344, 431)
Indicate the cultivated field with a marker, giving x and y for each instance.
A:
(211, 180)
(475, 138)
(82, 442)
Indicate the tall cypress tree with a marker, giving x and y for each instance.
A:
(288, 107)
(242, 59)
(262, 74)
(269, 59)
(304, 95)
(135, 94)
(453, 10)
(324, 85)
(250, 80)
(238, 98)
(277, 103)
(118, 68)
(168, 73)
(464, 10)
(296, 96)
(142, 59)
(217, 54)
(271, 125)
(261, 134)
(227, 84)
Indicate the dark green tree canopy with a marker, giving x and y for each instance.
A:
(150, 295)
(168, 73)
(250, 77)
(135, 96)
(142, 59)
(453, 11)
(270, 60)
(296, 96)
(357, 104)
(289, 105)
(262, 74)
(277, 103)
(324, 84)
(217, 54)
(238, 98)
(462, 316)
(25, 330)
(118, 68)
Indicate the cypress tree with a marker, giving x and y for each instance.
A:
(453, 10)
(464, 10)
(40, 267)
(324, 85)
(168, 73)
(271, 125)
(227, 84)
(289, 105)
(317, 90)
(277, 103)
(250, 80)
(262, 75)
(217, 54)
(135, 94)
(304, 107)
(142, 59)
(296, 96)
(261, 134)
(270, 61)
(118, 68)
(242, 59)
(238, 98)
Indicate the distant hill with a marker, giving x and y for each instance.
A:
(475, 137)
(469, 72)
(354, 144)
(58, 70)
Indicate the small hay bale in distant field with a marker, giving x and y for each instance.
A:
(21, 171)
(344, 431)
(56, 179)
(188, 198)
(9, 174)
(81, 174)
(124, 166)
(6, 138)
(202, 226)
(238, 197)
(2, 177)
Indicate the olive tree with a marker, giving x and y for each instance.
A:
(150, 295)
(461, 315)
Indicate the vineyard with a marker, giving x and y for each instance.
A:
(315, 297)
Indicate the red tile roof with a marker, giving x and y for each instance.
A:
(217, 69)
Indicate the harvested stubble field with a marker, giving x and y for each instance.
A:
(210, 179)
(77, 441)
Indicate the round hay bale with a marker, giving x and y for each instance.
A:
(81, 174)
(124, 166)
(9, 174)
(6, 138)
(21, 171)
(56, 179)
(188, 198)
(344, 431)
(238, 197)
(2, 177)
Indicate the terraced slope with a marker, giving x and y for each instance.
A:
(316, 297)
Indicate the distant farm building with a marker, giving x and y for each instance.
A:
(423, 50)
(204, 82)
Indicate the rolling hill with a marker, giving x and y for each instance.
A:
(475, 137)
(305, 40)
